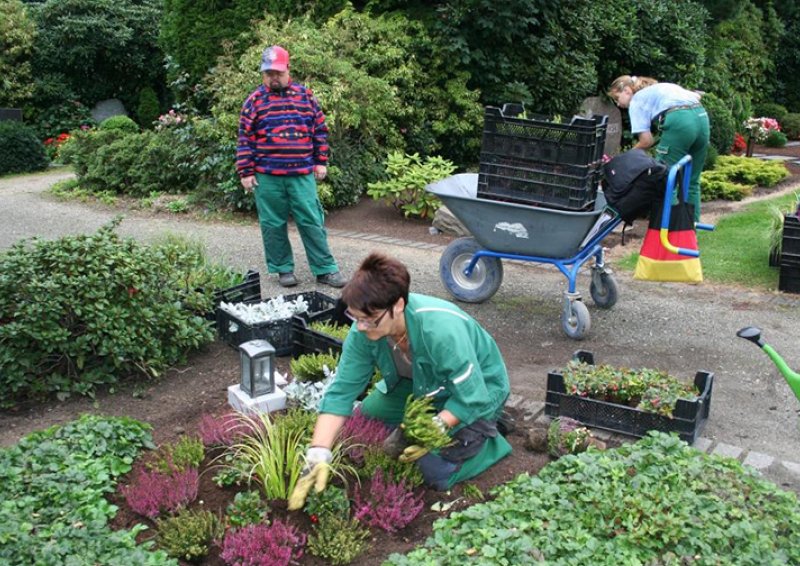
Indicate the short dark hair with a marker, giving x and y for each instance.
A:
(377, 284)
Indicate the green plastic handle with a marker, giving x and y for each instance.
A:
(792, 377)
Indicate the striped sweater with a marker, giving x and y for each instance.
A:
(281, 133)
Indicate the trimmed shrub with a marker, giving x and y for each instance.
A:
(147, 110)
(20, 150)
(791, 125)
(711, 158)
(120, 122)
(89, 309)
(189, 535)
(723, 126)
(771, 109)
(775, 138)
(81, 147)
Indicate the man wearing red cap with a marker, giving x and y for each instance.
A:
(282, 152)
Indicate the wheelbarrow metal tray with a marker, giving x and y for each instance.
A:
(688, 419)
(515, 228)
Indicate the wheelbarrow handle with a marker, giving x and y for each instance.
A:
(685, 163)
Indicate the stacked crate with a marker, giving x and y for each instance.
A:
(532, 160)
(789, 279)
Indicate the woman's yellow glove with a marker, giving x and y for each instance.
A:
(412, 453)
(316, 473)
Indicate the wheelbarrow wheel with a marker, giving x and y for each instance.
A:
(604, 289)
(575, 320)
(482, 282)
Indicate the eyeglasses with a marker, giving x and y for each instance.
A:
(365, 322)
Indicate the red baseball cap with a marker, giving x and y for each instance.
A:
(274, 58)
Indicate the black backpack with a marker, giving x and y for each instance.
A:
(632, 181)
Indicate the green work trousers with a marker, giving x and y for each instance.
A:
(683, 132)
(277, 196)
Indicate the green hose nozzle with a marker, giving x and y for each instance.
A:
(753, 334)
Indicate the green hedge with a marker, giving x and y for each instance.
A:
(20, 150)
(90, 309)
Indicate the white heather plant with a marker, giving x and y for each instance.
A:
(273, 309)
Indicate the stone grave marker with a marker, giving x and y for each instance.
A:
(108, 108)
(597, 106)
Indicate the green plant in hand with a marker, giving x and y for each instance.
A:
(419, 427)
(405, 188)
(247, 508)
(189, 534)
(308, 367)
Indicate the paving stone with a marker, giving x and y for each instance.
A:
(728, 450)
(601, 434)
(514, 400)
(702, 443)
(793, 467)
(533, 409)
(758, 460)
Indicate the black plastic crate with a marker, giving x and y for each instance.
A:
(537, 138)
(249, 291)
(308, 341)
(563, 186)
(790, 241)
(789, 277)
(279, 333)
(687, 420)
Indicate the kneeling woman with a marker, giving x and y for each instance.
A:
(422, 346)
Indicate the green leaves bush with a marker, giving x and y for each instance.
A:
(723, 124)
(120, 122)
(791, 125)
(657, 501)
(405, 188)
(90, 309)
(20, 150)
(734, 178)
(52, 487)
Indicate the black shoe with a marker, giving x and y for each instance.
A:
(335, 279)
(287, 279)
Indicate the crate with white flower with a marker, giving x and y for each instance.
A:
(269, 320)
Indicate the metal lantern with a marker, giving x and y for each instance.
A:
(258, 368)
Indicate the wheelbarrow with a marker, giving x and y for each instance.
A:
(471, 269)
(753, 334)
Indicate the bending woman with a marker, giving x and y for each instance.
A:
(423, 346)
(680, 120)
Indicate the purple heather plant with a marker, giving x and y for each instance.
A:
(218, 431)
(360, 432)
(153, 492)
(277, 544)
(389, 505)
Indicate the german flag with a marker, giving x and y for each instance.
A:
(656, 262)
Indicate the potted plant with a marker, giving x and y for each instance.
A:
(628, 401)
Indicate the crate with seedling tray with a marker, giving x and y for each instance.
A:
(248, 291)
(310, 341)
(687, 420)
(278, 332)
(533, 160)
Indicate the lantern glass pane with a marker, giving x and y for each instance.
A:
(246, 375)
(262, 375)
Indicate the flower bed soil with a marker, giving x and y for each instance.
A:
(382, 544)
